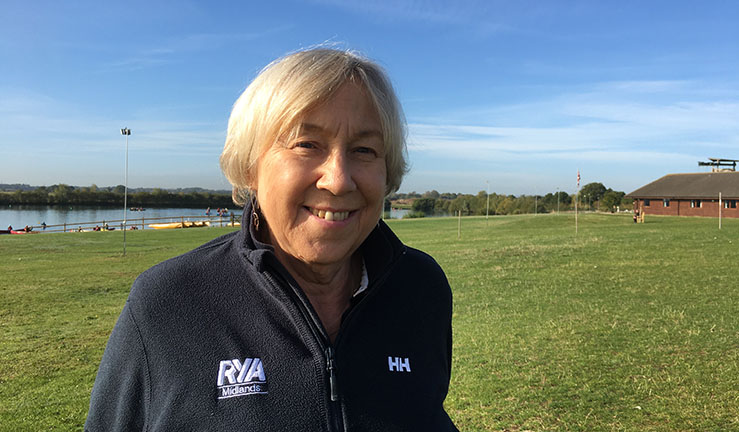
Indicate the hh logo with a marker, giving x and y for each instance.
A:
(397, 364)
(237, 378)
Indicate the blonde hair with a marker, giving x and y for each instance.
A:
(273, 104)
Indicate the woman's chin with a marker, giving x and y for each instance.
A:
(328, 255)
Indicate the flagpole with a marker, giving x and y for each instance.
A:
(577, 195)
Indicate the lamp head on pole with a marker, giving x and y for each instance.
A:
(125, 131)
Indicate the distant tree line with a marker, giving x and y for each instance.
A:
(62, 194)
(593, 196)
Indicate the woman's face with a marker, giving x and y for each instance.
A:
(322, 192)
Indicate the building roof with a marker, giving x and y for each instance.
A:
(691, 186)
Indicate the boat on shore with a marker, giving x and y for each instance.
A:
(185, 224)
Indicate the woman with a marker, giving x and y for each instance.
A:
(314, 316)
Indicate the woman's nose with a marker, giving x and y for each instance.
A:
(336, 175)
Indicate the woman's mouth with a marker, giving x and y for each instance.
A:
(329, 215)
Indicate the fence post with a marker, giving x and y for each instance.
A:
(459, 225)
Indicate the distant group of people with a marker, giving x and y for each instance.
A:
(25, 229)
(221, 211)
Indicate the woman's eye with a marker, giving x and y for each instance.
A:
(305, 145)
(366, 151)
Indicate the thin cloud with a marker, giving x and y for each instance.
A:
(168, 51)
(648, 86)
(621, 122)
(31, 120)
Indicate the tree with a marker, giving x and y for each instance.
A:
(60, 193)
(612, 199)
(424, 205)
(564, 197)
(506, 206)
(430, 194)
(462, 202)
(559, 200)
(441, 206)
(593, 191)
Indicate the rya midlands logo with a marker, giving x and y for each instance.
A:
(237, 378)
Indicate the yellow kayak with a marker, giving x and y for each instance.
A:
(170, 225)
(186, 224)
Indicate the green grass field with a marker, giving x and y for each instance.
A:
(622, 327)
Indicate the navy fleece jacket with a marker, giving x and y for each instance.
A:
(223, 338)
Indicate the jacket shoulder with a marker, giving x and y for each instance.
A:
(423, 265)
(195, 271)
(419, 275)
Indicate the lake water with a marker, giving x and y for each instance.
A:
(20, 216)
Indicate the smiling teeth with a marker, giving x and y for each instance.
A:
(330, 216)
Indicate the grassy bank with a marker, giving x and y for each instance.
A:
(622, 327)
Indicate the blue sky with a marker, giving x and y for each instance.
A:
(514, 95)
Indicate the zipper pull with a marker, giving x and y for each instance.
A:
(331, 374)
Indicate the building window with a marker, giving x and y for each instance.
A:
(646, 203)
(729, 203)
(665, 202)
(696, 204)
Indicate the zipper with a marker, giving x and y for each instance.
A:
(335, 407)
(331, 368)
(335, 410)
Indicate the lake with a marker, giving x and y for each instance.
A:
(20, 216)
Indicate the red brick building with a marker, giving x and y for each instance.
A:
(690, 195)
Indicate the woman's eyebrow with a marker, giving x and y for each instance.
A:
(367, 133)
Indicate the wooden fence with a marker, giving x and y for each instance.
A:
(134, 223)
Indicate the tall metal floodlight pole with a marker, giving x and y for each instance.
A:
(127, 133)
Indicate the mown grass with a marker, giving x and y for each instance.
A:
(622, 327)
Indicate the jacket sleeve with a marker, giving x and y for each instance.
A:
(121, 392)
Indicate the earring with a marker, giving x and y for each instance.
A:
(254, 214)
